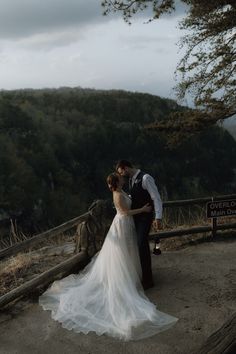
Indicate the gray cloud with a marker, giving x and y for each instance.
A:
(146, 39)
(142, 42)
(52, 43)
(49, 41)
(24, 18)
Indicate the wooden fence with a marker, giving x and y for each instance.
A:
(24, 245)
(82, 258)
(214, 227)
(18, 247)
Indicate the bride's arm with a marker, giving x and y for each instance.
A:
(120, 204)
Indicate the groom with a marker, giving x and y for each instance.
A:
(143, 190)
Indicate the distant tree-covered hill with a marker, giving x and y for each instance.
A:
(58, 145)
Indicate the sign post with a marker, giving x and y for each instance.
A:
(220, 208)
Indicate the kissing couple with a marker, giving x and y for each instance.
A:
(108, 297)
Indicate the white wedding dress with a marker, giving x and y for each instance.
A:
(107, 296)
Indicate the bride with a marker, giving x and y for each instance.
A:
(107, 296)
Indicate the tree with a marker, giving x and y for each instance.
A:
(208, 68)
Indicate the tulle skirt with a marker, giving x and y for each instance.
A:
(107, 296)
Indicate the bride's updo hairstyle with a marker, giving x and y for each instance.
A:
(113, 181)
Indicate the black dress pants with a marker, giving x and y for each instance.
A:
(143, 224)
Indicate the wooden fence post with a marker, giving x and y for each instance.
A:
(214, 227)
(214, 224)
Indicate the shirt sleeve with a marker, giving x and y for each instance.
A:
(148, 183)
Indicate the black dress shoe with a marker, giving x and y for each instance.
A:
(156, 251)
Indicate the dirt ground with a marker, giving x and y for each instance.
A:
(197, 284)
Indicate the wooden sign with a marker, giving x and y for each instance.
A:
(221, 208)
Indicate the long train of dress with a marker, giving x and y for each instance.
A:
(107, 296)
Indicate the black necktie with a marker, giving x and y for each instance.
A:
(130, 184)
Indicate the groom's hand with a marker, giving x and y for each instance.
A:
(157, 224)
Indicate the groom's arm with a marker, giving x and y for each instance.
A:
(150, 185)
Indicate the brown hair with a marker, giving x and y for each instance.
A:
(123, 163)
(113, 181)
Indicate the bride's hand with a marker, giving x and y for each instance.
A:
(146, 208)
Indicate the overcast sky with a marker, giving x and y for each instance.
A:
(53, 43)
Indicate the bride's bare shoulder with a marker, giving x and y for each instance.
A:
(116, 193)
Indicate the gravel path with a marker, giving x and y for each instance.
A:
(195, 284)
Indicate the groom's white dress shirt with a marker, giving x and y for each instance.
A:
(149, 184)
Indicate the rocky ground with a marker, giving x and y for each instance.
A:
(195, 284)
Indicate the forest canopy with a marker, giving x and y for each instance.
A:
(58, 146)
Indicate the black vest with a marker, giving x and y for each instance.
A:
(139, 196)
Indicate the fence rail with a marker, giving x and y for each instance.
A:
(81, 258)
(24, 245)
(61, 269)
(178, 203)
(21, 246)
(191, 230)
